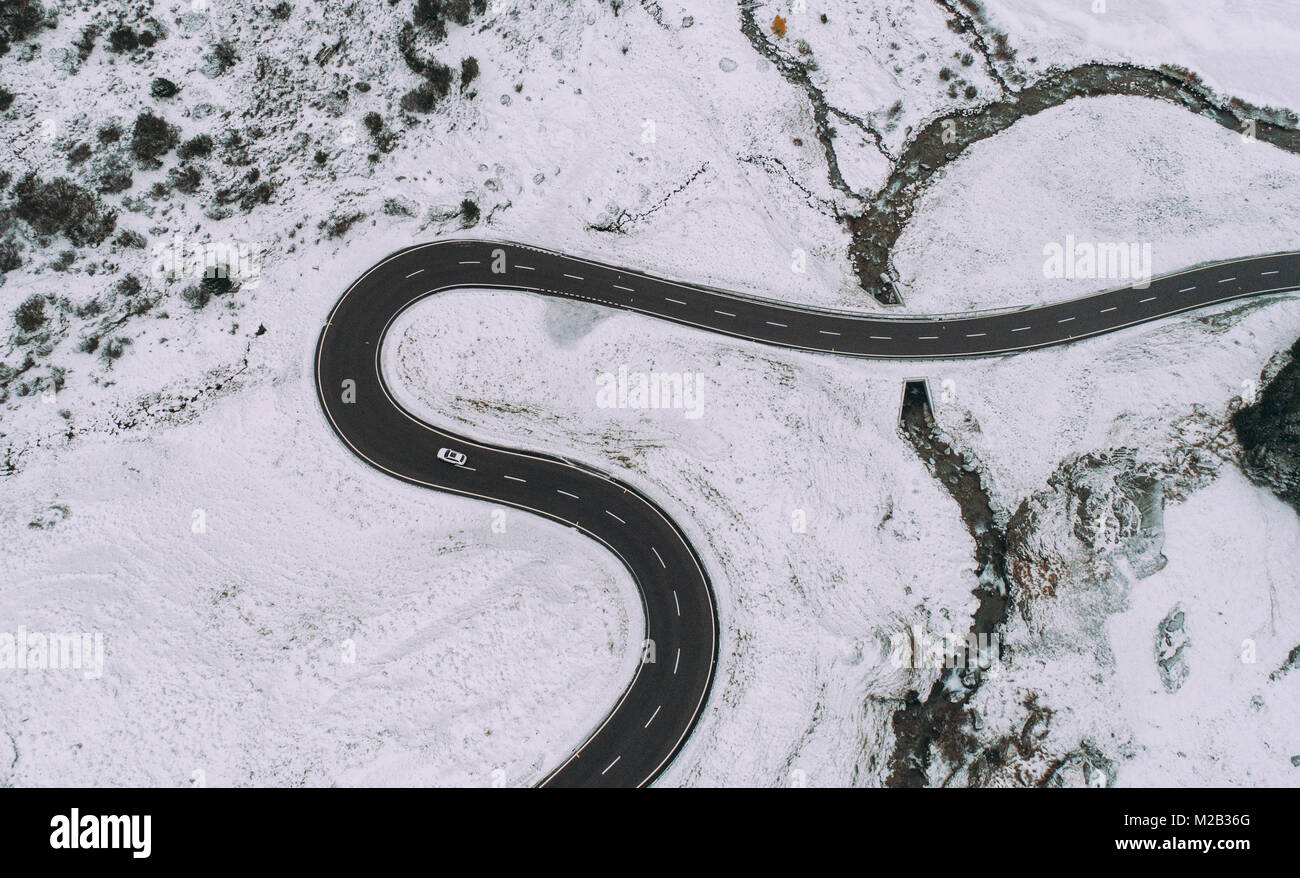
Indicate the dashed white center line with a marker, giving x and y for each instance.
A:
(1107, 310)
(567, 494)
(926, 337)
(575, 277)
(661, 560)
(771, 323)
(624, 289)
(612, 764)
(1262, 273)
(1021, 328)
(678, 661)
(516, 479)
(414, 273)
(1147, 299)
(827, 332)
(470, 262)
(652, 718)
(674, 301)
(723, 313)
(1186, 289)
(677, 603)
(975, 334)
(882, 337)
(1065, 320)
(615, 517)
(526, 267)
(1227, 280)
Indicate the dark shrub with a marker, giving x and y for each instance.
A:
(6, 99)
(337, 225)
(10, 256)
(420, 99)
(259, 194)
(152, 137)
(129, 285)
(185, 179)
(129, 238)
(85, 44)
(199, 146)
(469, 213)
(110, 132)
(439, 76)
(163, 88)
(62, 207)
(122, 39)
(224, 53)
(113, 174)
(468, 71)
(115, 348)
(78, 154)
(425, 97)
(30, 315)
(19, 19)
(216, 285)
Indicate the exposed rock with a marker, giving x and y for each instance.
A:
(1171, 649)
(1269, 432)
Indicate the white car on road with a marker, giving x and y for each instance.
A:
(456, 458)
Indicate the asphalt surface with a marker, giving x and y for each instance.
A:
(650, 722)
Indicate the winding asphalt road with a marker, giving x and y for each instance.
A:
(649, 723)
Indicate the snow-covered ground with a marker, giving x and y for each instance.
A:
(1240, 47)
(1112, 170)
(1235, 577)
(783, 441)
(276, 613)
(482, 657)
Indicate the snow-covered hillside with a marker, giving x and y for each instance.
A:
(275, 613)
